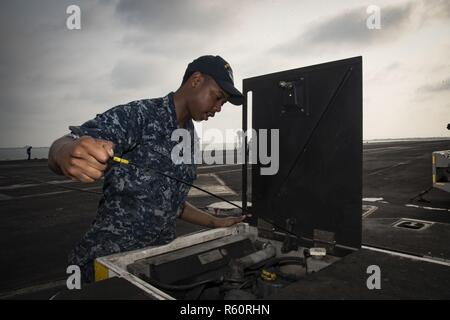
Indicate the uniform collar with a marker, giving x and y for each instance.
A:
(189, 125)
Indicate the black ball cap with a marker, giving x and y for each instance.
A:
(220, 70)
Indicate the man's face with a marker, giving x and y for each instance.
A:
(207, 98)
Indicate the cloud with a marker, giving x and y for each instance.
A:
(435, 9)
(132, 74)
(51, 77)
(349, 28)
(187, 16)
(440, 86)
(393, 69)
(177, 29)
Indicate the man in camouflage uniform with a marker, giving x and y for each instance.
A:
(139, 207)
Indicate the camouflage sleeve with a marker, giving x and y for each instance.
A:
(121, 125)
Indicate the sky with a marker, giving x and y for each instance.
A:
(52, 77)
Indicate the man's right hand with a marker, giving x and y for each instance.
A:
(84, 159)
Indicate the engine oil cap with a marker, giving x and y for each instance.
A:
(268, 276)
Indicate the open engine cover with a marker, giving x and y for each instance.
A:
(318, 112)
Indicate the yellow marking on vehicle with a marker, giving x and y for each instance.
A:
(101, 272)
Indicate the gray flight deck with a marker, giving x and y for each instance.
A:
(43, 215)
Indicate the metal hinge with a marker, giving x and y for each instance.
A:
(295, 96)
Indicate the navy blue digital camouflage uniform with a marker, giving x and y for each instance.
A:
(138, 208)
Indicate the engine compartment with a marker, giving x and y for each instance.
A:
(234, 267)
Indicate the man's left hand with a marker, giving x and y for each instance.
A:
(228, 221)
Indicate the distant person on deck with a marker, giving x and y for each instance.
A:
(29, 152)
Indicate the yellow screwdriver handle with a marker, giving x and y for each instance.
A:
(120, 160)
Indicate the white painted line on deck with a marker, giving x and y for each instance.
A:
(42, 194)
(230, 171)
(220, 189)
(426, 208)
(6, 197)
(434, 260)
(388, 168)
(43, 164)
(18, 186)
(218, 179)
(27, 185)
(389, 148)
(369, 210)
(218, 166)
(32, 289)
(372, 199)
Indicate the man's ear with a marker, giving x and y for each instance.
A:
(196, 79)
